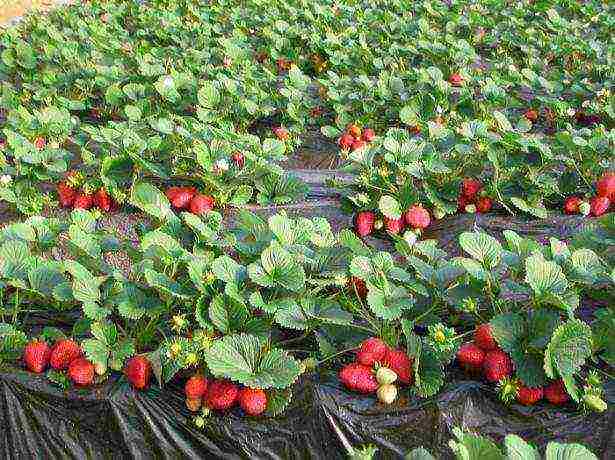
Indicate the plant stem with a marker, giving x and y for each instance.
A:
(335, 355)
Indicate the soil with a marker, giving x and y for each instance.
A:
(13, 9)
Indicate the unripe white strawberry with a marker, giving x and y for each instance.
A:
(387, 394)
(385, 376)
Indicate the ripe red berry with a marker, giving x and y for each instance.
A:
(238, 159)
(400, 363)
(531, 115)
(599, 205)
(455, 79)
(354, 131)
(345, 141)
(253, 401)
(470, 357)
(36, 356)
(470, 188)
(281, 133)
(180, 196)
(83, 201)
(417, 217)
(63, 353)
(368, 135)
(606, 186)
(201, 204)
(483, 338)
(394, 226)
(484, 204)
(222, 394)
(496, 366)
(195, 387)
(372, 350)
(358, 144)
(40, 143)
(360, 378)
(138, 371)
(66, 195)
(364, 223)
(556, 393)
(81, 372)
(571, 205)
(529, 396)
(103, 201)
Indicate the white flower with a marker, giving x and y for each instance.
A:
(570, 112)
(410, 237)
(221, 165)
(5, 179)
(585, 104)
(168, 82)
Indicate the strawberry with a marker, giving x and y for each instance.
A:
(531, 115)
(180, 196)
(599, 205)
(36, 356)
(354, 131)
(484, 204)
(81, 372)
(66, 195)
(556, 393)
(455, 79)
(102, 200)
(483, 337)
(195, 387)
(368, 135)
(529, 396)
(360, 378)
(345, 141)
(253, 401)
(571, 205)
(238, 159)
(400, 363)
(394, 226)
(496, 366)
(470, 357)
(364, 223)
(138, 371)
(372, 350)
(280, 132)
(470, 188)
(358, 144)
(222, 394)
(417, 217)
(359, 285)
(63, 353)
(606, 186)
(462, 202)
(201, 204)
(83, 201)
(194, 405)
(40, 143)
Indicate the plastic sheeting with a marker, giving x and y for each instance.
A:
(39, 420)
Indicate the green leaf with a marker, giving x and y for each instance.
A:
(485, 248)
(586, 265)
(557, 451)
(473, 447)
(165, 284)
(227, 270)
(508, 329)
(249, 360)
(517, 449)
(389, 207)
(133, 112)
(278, 401)
(535, 210)
(14, 259)
(570, 346)
(544, 277)
(277, 268)
(419, 454)
(152, 201)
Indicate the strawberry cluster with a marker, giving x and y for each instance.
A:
(597, 205)
(416, 219)
(67, 355)
(189, 199)
(355, 138)
(75, 195)
(484, 357)
(223, 395)
(473, 198)
(376, 368)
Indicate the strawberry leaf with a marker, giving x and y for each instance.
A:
(570, 346)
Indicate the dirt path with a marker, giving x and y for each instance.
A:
(11, 9)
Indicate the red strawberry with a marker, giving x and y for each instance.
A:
(40, 143)
(345, 141)
(103, 201)
(484, 204)
(354, 131)
(531, 115)
(360, 378)
(470, 357)
(394, 226)
(180, 196)
(599, 205)
(368, 135)
(239, 159)
(358, 144)
(201, 204)
(81, 372)
(253, 401)
(222, 394)
(417, 217)
(455, 79)
(606, 186)
(571, 205)
(483, 338)
(364, 223)
(138, 371)
(280, 132)
(195, 387)
(400, 363)
(372, 350)
(556, 393)
(36, 356)
(66, 195)
(496, 366)
(462, 202)
(83, 201)
(470, 188)
(63, 353)
(529, 396)
(359, 285)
